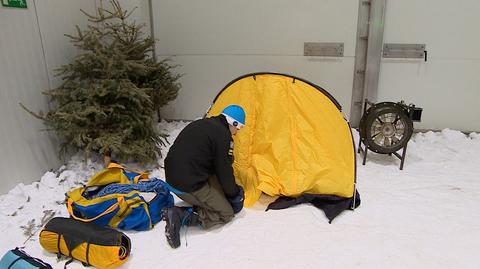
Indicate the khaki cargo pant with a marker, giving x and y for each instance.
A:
(210, 204)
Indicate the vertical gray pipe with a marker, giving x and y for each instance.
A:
(374, 50)
(152, 30)
(368, 54)
(360, 63)
(43, 46)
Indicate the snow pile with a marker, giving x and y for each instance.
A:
(24, 207)
(422, 217)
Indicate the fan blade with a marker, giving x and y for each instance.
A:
(397, 117)
(379, 139)
(379, 119)
(386, 141)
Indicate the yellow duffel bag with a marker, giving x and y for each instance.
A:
(101, 247)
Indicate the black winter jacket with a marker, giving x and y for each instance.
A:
(203, 148)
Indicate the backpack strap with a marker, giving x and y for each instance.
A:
(107, 211)
(140, 177)
(114, 165)
(68, 262)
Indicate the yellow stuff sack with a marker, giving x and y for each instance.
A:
(101, 247)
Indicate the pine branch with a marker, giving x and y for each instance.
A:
(38, 116)
(31, 229)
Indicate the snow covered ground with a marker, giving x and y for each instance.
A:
(422, 217)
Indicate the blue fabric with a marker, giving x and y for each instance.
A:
(163, 199)
(88, 212)
(135, 221)
(19, 259)
(235, 112)
(138, 218)
(130, 175)
(151, 185)
(187, 216)
(7, 259)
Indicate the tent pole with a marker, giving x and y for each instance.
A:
(354, 195)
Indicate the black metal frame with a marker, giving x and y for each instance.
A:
(364, 151)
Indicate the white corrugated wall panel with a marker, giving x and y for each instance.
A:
(27, 152)
(447, 86)
(203, 85)
(57, 18)
(218, 41)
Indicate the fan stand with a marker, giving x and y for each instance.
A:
(365, 150)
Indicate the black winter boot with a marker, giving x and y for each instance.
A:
(176, 217)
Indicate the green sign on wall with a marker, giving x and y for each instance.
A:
(14, 3)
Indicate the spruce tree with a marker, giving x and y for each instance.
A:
(110, 92)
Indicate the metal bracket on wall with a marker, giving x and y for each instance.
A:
(326, 49)
(404, 51)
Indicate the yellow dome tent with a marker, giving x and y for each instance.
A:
(296, 142)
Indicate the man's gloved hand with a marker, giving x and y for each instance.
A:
(237, 201)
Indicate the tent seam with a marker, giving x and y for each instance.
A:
(293, 135)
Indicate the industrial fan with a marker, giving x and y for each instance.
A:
(386, 127)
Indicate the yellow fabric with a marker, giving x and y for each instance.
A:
(295, 140)
(103, 257)
(114, 174)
